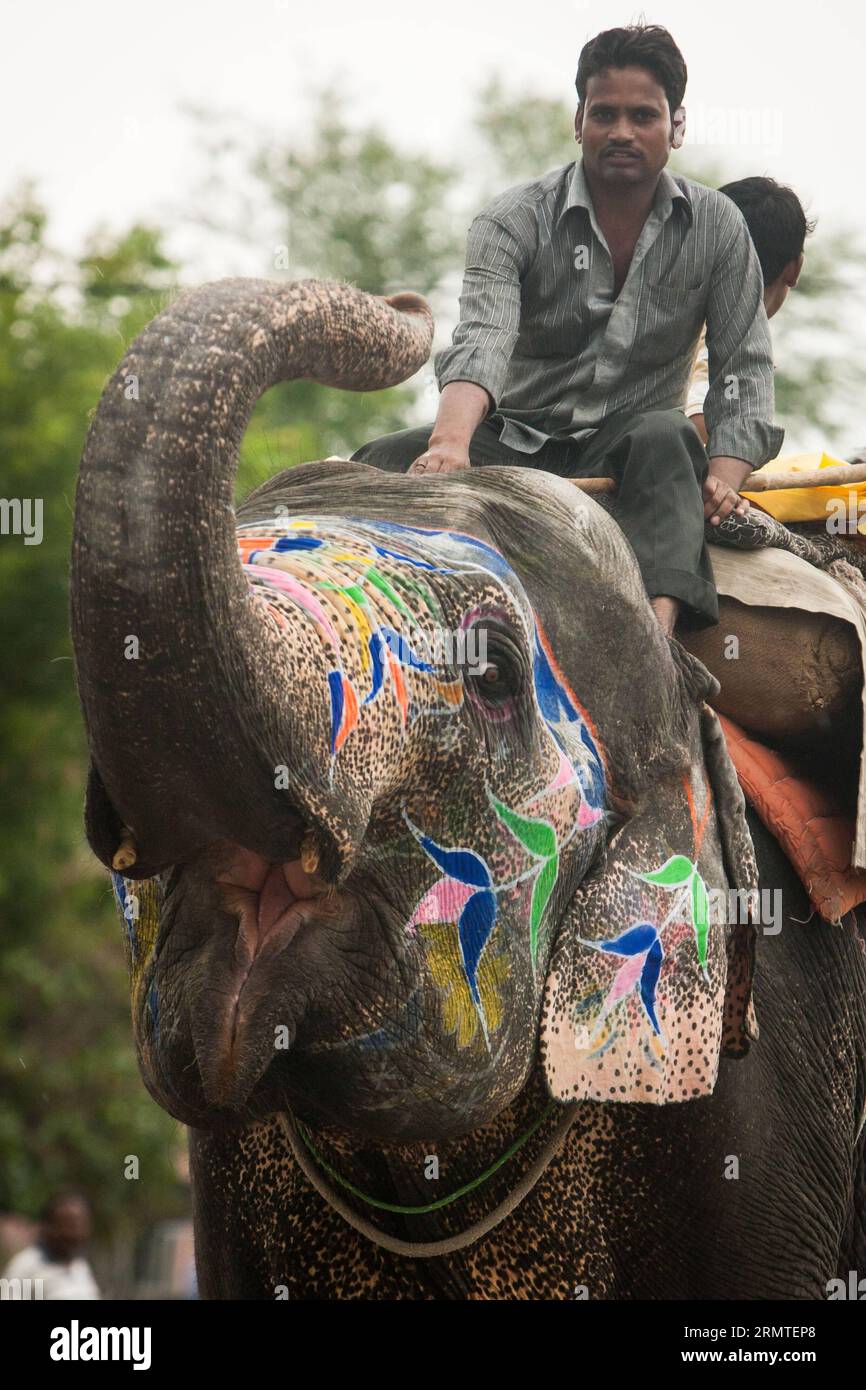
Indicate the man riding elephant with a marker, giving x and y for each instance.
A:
(583, 300)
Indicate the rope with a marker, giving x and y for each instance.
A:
(451, 1244)
(443, 1201)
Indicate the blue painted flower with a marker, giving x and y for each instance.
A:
(461, 868)
(642, 949)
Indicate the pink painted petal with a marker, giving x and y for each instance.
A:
(625, 980)
(444, 902)
(565, 772)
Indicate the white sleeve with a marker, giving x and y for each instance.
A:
(699, 384)
(27, 1264)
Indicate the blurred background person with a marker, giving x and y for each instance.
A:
(57, 1256)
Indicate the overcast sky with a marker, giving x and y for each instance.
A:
(91, 95)
(90, 92)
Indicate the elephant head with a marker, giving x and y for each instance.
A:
(399, 780)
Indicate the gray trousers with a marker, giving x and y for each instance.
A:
(659, 465)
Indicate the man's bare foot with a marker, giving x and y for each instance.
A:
(666, 611)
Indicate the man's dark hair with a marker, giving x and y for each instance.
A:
(775, 218)
(647, 46)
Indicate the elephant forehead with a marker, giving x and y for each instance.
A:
(387, 624)
(396, 608)
(357, 542)
(364, 581)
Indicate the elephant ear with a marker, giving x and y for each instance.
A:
(648, 983)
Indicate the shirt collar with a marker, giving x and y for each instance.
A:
(667, 193)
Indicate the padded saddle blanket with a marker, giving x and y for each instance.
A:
(770, 578)
(825, 843)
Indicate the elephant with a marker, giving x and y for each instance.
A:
(440, 896)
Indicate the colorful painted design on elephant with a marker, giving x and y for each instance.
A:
(363, 587)
(681, 913)
(138, 901)
(368, 603)
(458, 915)
(363, 595)
(465, 898)
(464, 901)
(641, 948)
(568, 722)
(566, 718)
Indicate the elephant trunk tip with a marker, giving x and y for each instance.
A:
(408, 302)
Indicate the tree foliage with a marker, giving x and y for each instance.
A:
(72, 1106)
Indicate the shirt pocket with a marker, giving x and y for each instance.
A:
(668, 322)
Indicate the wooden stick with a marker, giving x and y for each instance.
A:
(845, 474)
(594, 484)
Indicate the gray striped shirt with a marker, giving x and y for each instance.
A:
(541, 331)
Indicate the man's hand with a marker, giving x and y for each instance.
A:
(462, 407)
(441, 458)
(722, 489)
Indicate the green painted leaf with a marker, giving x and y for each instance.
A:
(541, 891)
(672, 874)
(538, 836)
(700, 916)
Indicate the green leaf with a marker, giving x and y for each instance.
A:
(700, 916)
(676, 871)
(672, 875)
(538, 836)
(541, 891)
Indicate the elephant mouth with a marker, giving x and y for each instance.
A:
(272, 904)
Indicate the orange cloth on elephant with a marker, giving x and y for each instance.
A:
(813, 830)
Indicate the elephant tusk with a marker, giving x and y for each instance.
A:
(309, 853)
(125, 855)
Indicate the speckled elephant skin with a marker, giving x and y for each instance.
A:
(421, 832)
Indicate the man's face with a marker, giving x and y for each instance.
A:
(67, 1230)
(625, 127)
(776, 293)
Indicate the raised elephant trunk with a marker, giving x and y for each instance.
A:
(179, 670)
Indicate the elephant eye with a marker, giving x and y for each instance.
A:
(496, 674)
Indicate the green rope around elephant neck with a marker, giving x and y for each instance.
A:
(304, 1151)
(443, 1201)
